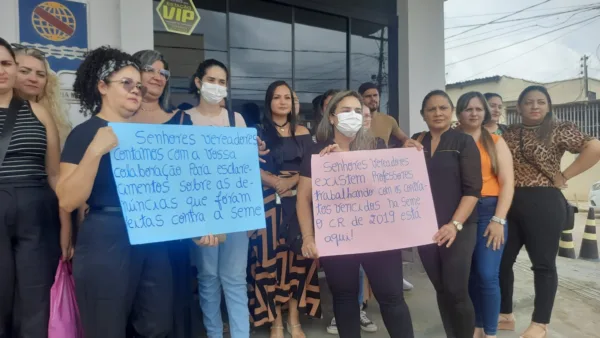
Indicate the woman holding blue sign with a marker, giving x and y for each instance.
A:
(278, 275)
(115, 282)
(341, 129)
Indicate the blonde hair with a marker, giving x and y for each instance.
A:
(50, 97)
(363, 140)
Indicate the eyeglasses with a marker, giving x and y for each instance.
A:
(129, 84)
(18, 47)
(162, 72)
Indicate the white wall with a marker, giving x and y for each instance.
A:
(421, 57)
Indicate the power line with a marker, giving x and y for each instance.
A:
(528, 18)
(520, 42)
(500, 13)
(531, 50)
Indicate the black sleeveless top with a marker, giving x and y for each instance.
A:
(26, 155)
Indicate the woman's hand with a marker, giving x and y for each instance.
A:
(104, 141)
(262, 149)
(208, 240)
(284, 184)
(332, 148)
(447, 233)
(309, 247)
(66, 245)
(495, 234)
(560, 181)
(410, 143)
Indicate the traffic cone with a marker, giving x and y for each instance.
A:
(589, 244)
(567, 247)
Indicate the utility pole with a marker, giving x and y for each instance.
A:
(381, 62)
(584, 66)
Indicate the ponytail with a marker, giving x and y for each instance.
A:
(490, 148)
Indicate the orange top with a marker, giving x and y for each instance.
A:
(491, 186)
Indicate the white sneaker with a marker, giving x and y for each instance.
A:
(366, 324)
(332, 328)
(406, 285)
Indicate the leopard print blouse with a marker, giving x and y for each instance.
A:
(565, 137)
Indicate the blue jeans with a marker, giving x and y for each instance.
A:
(361, 286)
(484, 282)
(224, 265)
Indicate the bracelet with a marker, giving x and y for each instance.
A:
(304, 237)
(563, 176)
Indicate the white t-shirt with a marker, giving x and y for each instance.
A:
(221, 120)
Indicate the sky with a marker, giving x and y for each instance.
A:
(550, 57)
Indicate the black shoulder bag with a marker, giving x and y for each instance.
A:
(9, 124)
(569, 222)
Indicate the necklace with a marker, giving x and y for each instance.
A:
(281, 127)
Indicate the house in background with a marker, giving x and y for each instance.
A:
(569, 104)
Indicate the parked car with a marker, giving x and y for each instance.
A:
(595, 197)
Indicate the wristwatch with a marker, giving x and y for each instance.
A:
(499, 220)
(458, 225)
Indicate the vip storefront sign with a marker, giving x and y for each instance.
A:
(178, 16)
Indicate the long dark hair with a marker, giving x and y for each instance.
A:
(5, 44)
(486, 137)
(544, 133)
(270, 133)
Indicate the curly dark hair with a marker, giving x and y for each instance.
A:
(87, 77)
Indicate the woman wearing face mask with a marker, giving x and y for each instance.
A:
(115, 282)
(37, 83)
(496, 197)
(539, 212)
(454, 167)
(223, 266)
(277, 275)
(29, 222)
(496, 108)
(342, 125)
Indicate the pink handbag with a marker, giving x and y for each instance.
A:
(64, 313)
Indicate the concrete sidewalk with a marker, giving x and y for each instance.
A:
(576, 312)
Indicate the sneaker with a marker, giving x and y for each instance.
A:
(366, 324)
(332, 328)
(406, 285)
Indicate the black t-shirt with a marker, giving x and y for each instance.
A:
(315, 148)
(104, 191)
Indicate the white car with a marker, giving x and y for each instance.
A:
(595, 197)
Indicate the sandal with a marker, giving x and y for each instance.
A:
(543, 334)
(506, 322)
(295, 328)
(279, 333)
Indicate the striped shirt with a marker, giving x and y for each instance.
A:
(26, 155)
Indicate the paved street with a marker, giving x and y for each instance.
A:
(576, 312)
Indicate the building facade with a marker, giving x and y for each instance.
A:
(314, 45)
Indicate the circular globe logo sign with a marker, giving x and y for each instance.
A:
(53, 21)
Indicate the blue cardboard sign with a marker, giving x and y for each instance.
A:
(176, 182)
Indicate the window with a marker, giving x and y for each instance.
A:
(369, 58)
(261, 52)
(320, 54)
(184, 53)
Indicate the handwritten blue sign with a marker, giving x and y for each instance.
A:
(177, 182)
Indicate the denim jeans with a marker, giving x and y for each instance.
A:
(361, 286)
(484, 282)
(224, 266)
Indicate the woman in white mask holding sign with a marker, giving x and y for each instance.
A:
(224, 265)
(341, 129)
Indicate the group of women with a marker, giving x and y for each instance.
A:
(476, 171)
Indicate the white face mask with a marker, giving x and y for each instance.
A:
(213, 93)
(349, 123)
